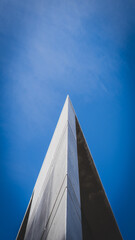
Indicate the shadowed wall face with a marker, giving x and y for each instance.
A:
(98, 221)
(22, 231)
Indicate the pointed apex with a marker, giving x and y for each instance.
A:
(67, 98)
(70, 105)
(68, 102)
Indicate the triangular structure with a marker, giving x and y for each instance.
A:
(68, 201)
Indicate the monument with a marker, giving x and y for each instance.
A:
(68, 201)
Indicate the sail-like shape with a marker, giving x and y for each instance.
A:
(68, 201)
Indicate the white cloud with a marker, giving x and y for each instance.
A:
(60, 47)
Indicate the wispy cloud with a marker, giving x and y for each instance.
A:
(60, 47)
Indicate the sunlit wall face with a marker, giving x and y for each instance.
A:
(51, 48)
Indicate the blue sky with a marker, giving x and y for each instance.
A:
(49, 49)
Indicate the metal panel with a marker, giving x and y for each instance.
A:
(36, 227)
(74, 227)
(71, 118)
(74, 197)
(55, 208)
(49, 192)
(58, 227)
(73, 163)
(50, 154)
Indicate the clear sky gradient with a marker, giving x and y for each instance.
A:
(48, 49)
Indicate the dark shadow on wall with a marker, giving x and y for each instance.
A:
(98, 221)
(22, 230)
